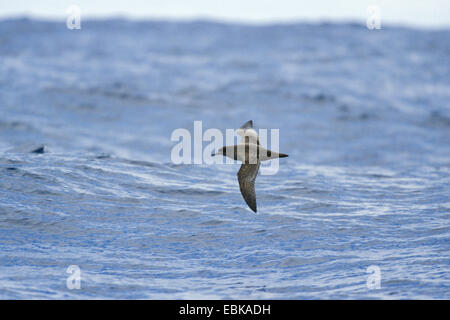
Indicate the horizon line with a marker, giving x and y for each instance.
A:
(223, 20)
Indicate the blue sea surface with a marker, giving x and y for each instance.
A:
(363, 114)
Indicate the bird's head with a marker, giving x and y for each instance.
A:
(220, 151)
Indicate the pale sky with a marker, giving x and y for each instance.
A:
(418, 13)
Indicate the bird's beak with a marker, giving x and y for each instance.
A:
(212, 154)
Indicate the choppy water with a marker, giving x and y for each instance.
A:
(364, 116)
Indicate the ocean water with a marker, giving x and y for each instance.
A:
(86, 176)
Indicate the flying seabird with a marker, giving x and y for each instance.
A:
(251, 153)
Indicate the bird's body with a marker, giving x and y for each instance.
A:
(250, 153)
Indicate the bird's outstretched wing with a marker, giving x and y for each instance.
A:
(246, 177)
(248, 134)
